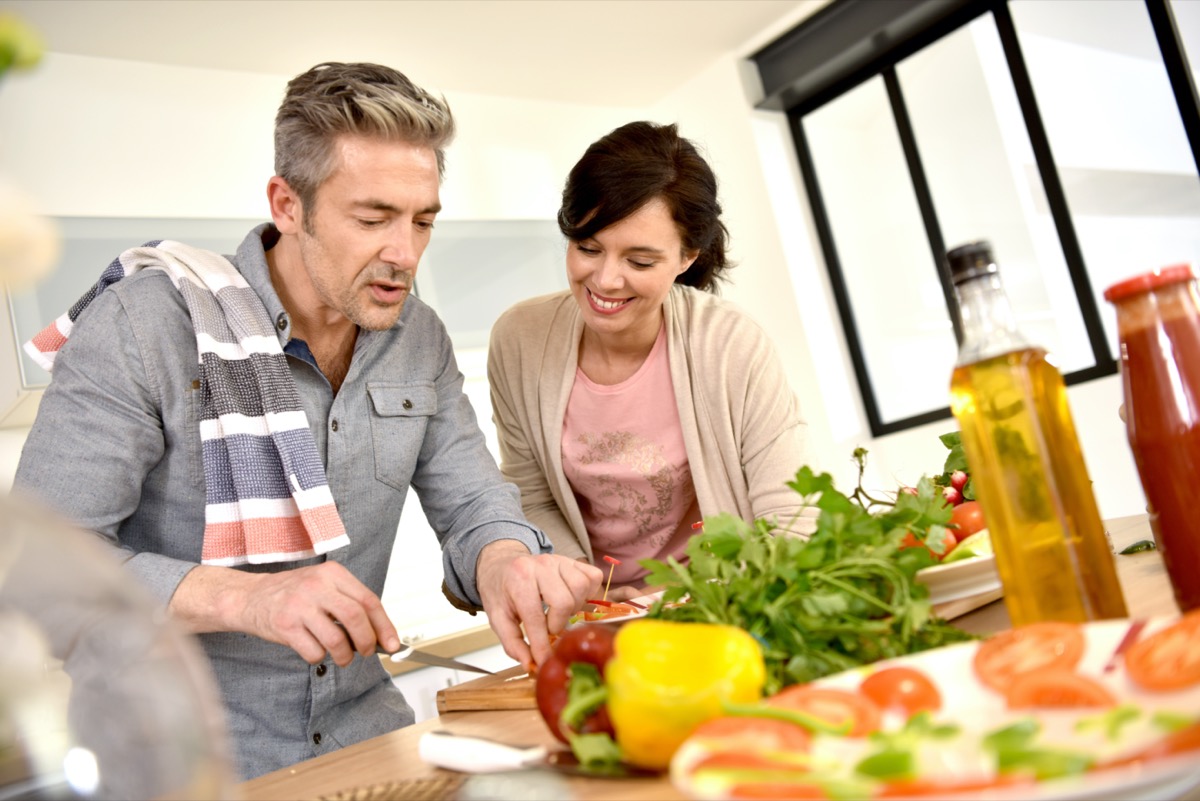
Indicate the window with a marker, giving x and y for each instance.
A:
(1064, 131)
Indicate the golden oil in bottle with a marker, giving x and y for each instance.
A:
(1027, 467)
(1031, 480)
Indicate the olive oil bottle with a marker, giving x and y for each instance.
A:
(1028, 470)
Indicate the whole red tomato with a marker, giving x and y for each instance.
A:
(591, 645)
(968, 518)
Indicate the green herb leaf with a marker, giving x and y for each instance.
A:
(844, 597)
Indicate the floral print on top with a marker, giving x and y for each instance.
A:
(623, 454)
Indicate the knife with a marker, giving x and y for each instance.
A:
(477, 754)
(426, 658)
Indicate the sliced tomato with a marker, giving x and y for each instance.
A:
(778, 789)
(903, 689)
(1169, 659)
(756, 735)
(832, 705)
(1054, 688)
(607, 611)
(1034, 646)
(940, 788)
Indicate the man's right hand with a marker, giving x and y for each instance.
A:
(313, 610)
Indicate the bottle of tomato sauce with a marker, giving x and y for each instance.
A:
(1158, 323)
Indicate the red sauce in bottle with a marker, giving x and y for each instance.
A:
(1158, 319)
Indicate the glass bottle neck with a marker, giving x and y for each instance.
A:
(989, 325)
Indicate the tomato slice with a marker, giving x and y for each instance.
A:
(607, 611)
(792, 791)
(1169, 659)
(836, 706)
(1034, 646)
(1054, 688)
(940, 788)
(903, 689)
(753, 735)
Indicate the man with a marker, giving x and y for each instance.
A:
(131, 439)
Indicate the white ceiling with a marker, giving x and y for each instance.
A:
(600, 52)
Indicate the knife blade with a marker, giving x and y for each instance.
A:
(426, 658)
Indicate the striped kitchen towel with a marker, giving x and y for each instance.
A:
(267, 498)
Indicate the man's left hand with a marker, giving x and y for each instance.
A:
(537, 592)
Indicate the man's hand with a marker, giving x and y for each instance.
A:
(313, 610)
(537, 592)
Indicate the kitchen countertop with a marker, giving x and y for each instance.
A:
(388, 767)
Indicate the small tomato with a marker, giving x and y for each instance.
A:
(966, 519)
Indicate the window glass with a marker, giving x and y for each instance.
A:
(1110, 114)
(1187, 23)
(899, 308)
(985, 184)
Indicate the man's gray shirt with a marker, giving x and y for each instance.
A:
(116, 448)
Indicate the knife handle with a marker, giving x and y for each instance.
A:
(475, 754)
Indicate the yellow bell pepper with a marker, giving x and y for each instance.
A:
(666, 678)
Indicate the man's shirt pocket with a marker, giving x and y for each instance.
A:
(399, 417)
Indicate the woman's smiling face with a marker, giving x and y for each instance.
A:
(621, 275)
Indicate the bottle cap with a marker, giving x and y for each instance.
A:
(972, 260)
(1149, 281)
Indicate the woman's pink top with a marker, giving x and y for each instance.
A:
(623, 454)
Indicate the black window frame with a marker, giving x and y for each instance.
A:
(848, 42)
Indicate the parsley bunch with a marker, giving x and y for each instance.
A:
(845, 597)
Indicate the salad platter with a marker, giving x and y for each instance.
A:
(1117, 746)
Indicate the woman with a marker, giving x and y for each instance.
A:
(637, 403)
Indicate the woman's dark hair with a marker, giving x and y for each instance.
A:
(635, 164)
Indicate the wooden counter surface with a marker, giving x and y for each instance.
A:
(388, 767)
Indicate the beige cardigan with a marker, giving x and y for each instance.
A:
(741, 422)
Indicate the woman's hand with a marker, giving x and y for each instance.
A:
(629, 593)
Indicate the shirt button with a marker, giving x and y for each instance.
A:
(317, 738)
(333, 425)
(321, 669)
(407, 403)
(281, 322)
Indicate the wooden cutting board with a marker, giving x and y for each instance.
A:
(508, 689)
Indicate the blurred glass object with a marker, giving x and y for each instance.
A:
(101, 695)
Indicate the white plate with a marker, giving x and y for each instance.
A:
(644, 600)
(977, 710)
(960, 579)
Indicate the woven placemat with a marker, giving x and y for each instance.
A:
(434, 788)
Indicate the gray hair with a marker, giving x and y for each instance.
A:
(333, 99)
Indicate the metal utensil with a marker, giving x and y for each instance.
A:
(474, 754)
(425, 658)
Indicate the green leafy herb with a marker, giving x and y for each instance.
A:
(1016, 752)
(845, 597)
